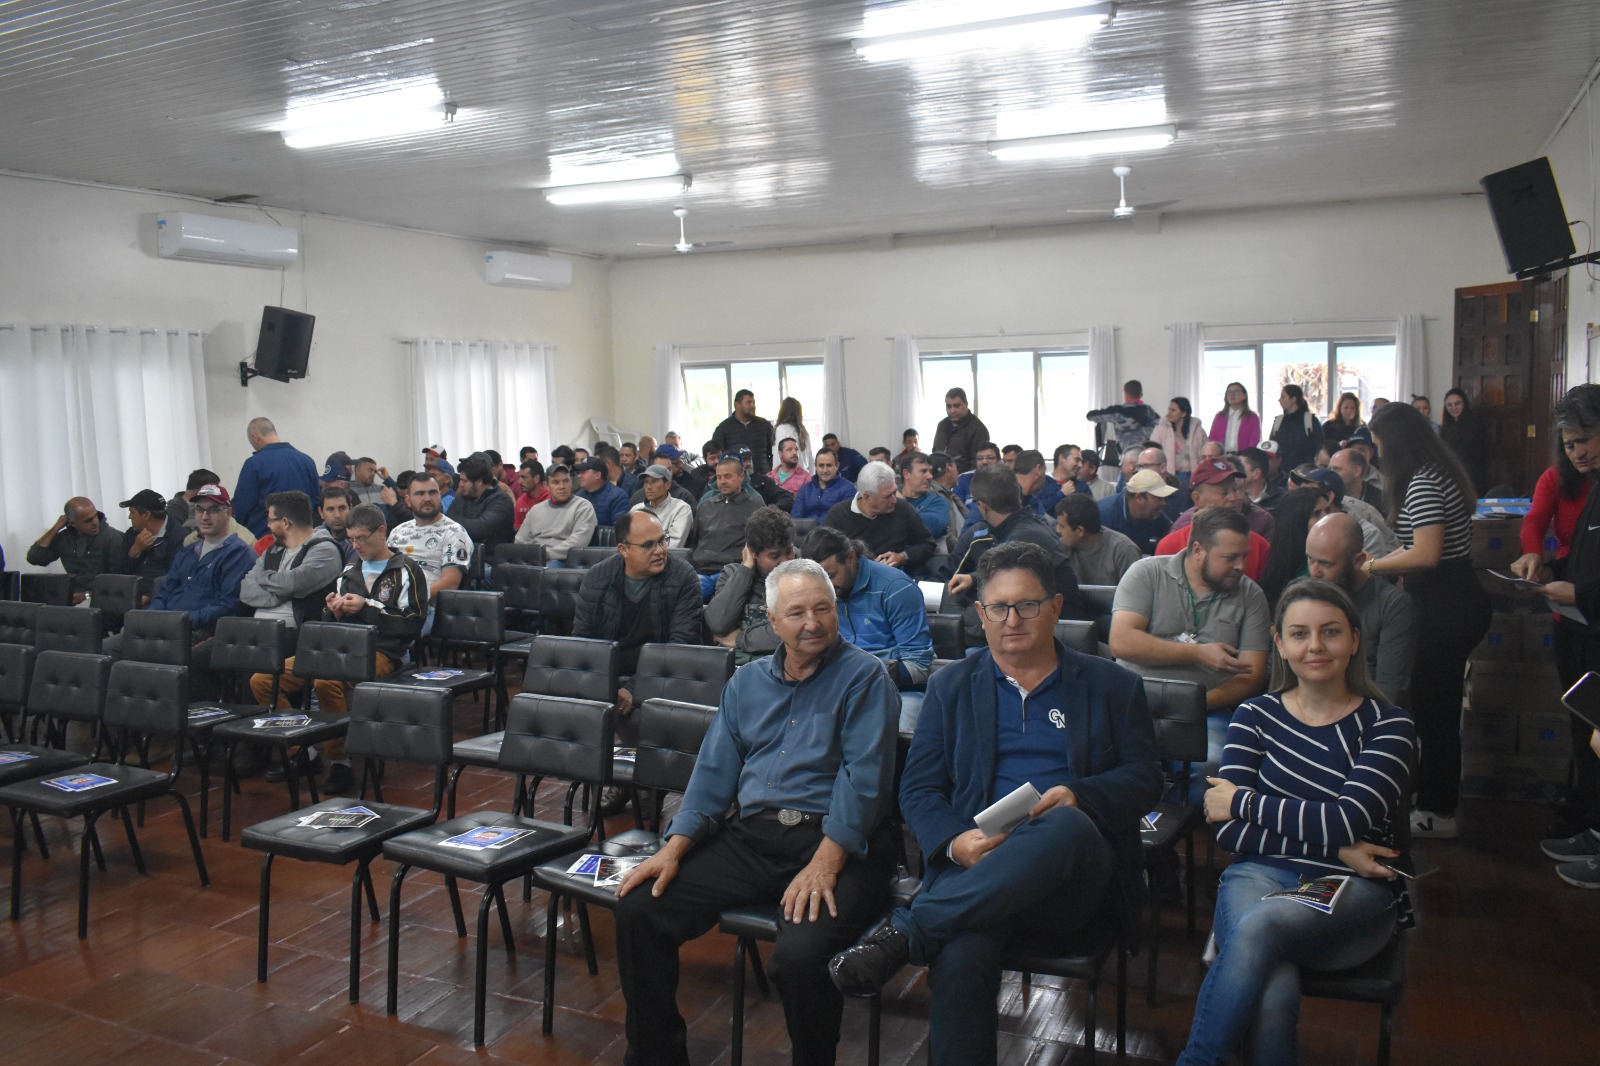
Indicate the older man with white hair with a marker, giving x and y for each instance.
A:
(802, 752)
(887, 524)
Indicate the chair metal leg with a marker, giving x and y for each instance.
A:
(588, 939)
(481, 968)
(1122, 996)
(99, 852)
(360, 879)
(17, 842)
(38, 835)
(83, 879)
(203, 768)
(455, 778)
(194, 837)
(455, 906)
(1152, 946)
(505, 920)
(1188, 863)
(392, 1003)
(230, 784)
(133, 842)
(1090, 1019)
(874, 1027)
(758, 971)
(1385, 1033)
(372, 895)
(263, 911)
(736, 1051)
(549, 1018)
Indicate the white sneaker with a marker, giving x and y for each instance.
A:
(1432, 826)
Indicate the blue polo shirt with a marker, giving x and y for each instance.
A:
(1114, 515)
(1031, 741)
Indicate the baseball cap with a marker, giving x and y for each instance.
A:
(1268, 446)
(667, 451)
(656, 470)
(444, 465)
(1362, 435)
(1321, 477)
(214, 492)
(1151, 482)
(594, 463)
(338, 467)
(147, 500)
(1211, 472)
(435, 450)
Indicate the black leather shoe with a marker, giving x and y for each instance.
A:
(863, 968)
(341, 781)
(614, 800)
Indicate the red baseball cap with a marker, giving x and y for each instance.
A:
(1212, 472)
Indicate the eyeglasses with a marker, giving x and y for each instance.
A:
(646, 545)
(999, 612)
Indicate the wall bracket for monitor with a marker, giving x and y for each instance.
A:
(1551, 268)
(246, 372)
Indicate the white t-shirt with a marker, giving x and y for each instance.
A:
(433, 547)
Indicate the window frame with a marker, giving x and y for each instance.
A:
(975, 393)
(1259, 400)
(727, 366)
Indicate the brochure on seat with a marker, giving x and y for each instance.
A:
(486, 838)
(1007, 812)
(348, 818)
(625, 754)
(78, 782)
(281, 721)
(436, 675)
(605, 870)
(1319, 895)
(200, 714)
(1148, 823)
(9, 757)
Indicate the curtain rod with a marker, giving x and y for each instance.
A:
(1001, 333)
(1307, 322)
(757, 344)
(102, 329)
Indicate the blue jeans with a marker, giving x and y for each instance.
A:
(708, 586)
(910, 710)
(1047, 881)
(555, 564)
(1254, 985)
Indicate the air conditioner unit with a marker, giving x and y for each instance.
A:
(526, 271)
(225, 240)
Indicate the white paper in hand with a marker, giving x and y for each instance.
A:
(1007, 812)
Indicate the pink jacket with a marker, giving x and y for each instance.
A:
(1249, 429)
(1181, 451)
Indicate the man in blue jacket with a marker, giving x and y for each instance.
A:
(1026, 711)
(276, 466)
(817, 496)
(609, 502)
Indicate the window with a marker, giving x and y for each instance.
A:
(709, 388)
(1325, 369)
(1033, 398)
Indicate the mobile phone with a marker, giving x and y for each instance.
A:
(1583, 699)
(1409, 866)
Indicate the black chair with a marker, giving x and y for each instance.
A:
(1079, 636)
(682, 553)
(803, 527)
(1178, 710)
(164, 637)
(948, 640)
(670, 735)
(114, 595)
(464, 623)
(558, 598)
(604, 537)
(686, 673)
(324, 651)
(140, 697)
(18, 622)
(521, 584)
(1380, 980)
(591, 556)
(524, 554)
(16, 671)
(403, 723)
(74, 629)
(1082, 959)
(1099, 597)
(56, 589)
(66, 687)
(19, 762)
(10, 585)
(545, 737)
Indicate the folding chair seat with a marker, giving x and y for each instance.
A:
(74, 629)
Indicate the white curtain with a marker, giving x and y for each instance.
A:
(97, 412)
(668, 412)
(1103, 384)
(470, 395)
(905, 386)
(835, 419)
(1188, 339)
(1410, 359)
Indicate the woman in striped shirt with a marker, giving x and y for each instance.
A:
(1431, 502)
(1312, 776)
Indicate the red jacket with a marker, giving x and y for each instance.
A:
(1548, 504)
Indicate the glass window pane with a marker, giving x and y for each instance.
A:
(708, 401)
(803, 381)
(1303, 363)
(1368, 371)
(760, 378)
(1063, 399)
(1221, 366)
(940, 374)
(1006, 397)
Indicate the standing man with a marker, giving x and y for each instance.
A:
(562, 522)
(959, 433)
(609, 502)
(675, 516)
(802, 752)
(153, 538)
(86, 546)
(737, 613)
(480, 507)
(1334, 552)
(1073, 863)
(1131, 421)
(888, 525)
(432, 541)
(818, 496)
(276, 466)
(720, 523)
(745, 429)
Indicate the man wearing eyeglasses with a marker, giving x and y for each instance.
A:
(1026, 711)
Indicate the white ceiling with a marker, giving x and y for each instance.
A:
(791, 138)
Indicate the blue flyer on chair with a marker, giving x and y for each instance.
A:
(78, 782)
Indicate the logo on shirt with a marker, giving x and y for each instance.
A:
(1058, 719)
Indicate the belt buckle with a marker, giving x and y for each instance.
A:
(788, 817)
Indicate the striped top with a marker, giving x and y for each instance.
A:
(1307, 791)
(1433, 499)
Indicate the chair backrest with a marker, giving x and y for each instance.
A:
(10, 585)
(690, 673)
(521, 584)
(802, 527)
(604, 537)
(552, 736)
(18, 622)
(681, 553)
(147, 697)
(46, 588)
(670, 735)
(73, 629)
(475, 564)
(525, 554)
(336, 651)
(157, 637)
(69, 685)
(1079, 636)
(1178, 709)
(409, 723)
(591, 556)
(468, 617)
(114, 595)
(16, 671)
(558, 597)
(948, 640)
(250, 645)
(1099, 597)
(579, 668)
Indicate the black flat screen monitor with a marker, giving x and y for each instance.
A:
(1528, 216)
(284, 346)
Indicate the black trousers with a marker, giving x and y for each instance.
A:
(1576, 654)
(751, 861)
(1452, 613)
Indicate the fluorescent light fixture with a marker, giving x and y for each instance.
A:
(393, 110)
(603, 192)
(1061, 27)
(1089, 142)
(587, 169)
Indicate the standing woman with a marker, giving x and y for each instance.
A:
(1236, 427)
(1430, 505)
(791, 423)
(1181, 437)
(1345, 421)
(1311, 780)
(1464, 431)
(1297, 430)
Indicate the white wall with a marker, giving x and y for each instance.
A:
(1371, 261)
(1573, 158)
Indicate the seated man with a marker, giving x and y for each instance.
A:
(737, 613)
(1072, 864)
(703, 477)
(609, 502)
(881, 612)
(933, 507)
(762, 485)
(1098, 556)
(1139, 511)
(432, 541)
(818, 496)
(1068, 470)
(1195, 616)
(719, 524)
(153, 538)
(1259, 489)
(531, 490)
(480, 508)
(886, 524)
(1376, 536)
(675, 516)
(1334, 552)
(1218, 471)
(1040, 492)
(85, 545)
(788, 474)
(802, 752)
(620, 475)
(851, 462)
(1216, 483)
(334, 510)
(562, 522)
(1155, 459)
(987, 454)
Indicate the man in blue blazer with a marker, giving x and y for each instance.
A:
(1026, 711)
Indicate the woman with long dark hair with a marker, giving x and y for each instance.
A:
(1552, 518)
(1297, 430)
(1430, 503)
(1312, 777)
(1345, 421)
(1464, 431)
(1180, 436)
(1236, 427)
(1297, 511)
(791, 423)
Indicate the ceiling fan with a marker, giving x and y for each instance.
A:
(1123, 208)
(684, 245)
